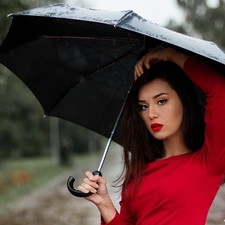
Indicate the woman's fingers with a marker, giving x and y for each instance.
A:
(137, 73)
(88, 174)
(84, 187)
(154, 56)
(89, 183)
(92, 183)
(138, 69)
(146, 61)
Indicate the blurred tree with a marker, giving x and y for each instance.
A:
(172, 24)
(205, 17)
(23, 129)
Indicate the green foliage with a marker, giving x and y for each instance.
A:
(20, 177)
(207, 20)
(178, 28)
(21, 120)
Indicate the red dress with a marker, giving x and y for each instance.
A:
(179, 190)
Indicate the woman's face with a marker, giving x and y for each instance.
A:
(160, 109)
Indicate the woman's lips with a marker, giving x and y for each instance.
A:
(156, 127)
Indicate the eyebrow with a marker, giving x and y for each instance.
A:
(158, 95)
(154, 97)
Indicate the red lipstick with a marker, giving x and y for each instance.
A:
(156, 127)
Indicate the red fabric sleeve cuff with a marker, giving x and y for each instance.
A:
(115, 221)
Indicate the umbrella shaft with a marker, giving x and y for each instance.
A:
(113, 131)
(105, 152)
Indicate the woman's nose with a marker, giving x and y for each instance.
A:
(152, 113)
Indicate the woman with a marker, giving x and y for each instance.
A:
(172, 170)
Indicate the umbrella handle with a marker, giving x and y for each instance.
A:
(78, 193)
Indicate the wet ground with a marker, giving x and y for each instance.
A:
(54, 205)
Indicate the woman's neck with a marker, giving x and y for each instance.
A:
(174, 146)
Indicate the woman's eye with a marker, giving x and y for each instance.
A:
(161, 101)
(143, 107)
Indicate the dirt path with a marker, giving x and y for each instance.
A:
(217, 212)
(54, 205)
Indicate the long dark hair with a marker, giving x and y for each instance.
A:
(140, 147)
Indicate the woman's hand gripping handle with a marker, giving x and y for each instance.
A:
(78, 193)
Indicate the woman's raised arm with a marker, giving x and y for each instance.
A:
(164, 54)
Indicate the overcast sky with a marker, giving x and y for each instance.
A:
(158, 11)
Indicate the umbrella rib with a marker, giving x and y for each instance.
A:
(113, 62)
(102, 68)
(88, 38)
(93, 53)
(112, 98)
(127, 43)
(123, 17)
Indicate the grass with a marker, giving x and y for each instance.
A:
(41, 171)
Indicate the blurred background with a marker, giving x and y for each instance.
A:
(38, 153)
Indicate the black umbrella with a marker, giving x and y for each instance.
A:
(79, 62)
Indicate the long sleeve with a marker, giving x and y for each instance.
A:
(115, 221)
(213, 85)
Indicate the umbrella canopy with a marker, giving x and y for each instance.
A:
(79, 62)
